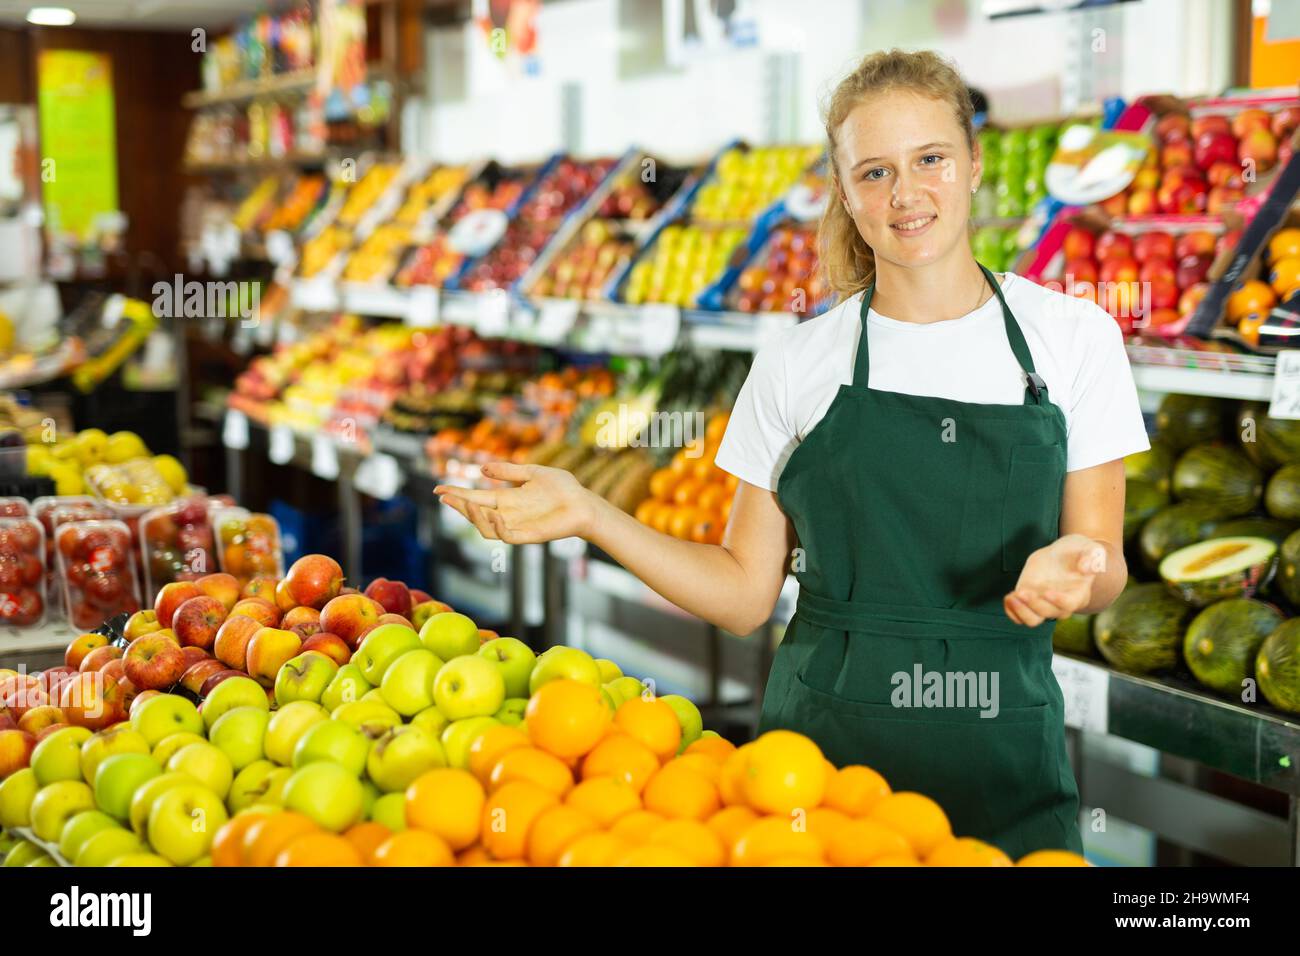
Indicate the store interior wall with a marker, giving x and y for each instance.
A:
(610, 55)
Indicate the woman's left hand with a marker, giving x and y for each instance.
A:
(1056, 580)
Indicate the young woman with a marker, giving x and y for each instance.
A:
(943, 448)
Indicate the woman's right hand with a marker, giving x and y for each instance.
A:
(546, 504)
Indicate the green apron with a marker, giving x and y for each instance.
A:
(915, 516)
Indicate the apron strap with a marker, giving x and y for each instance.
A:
(1035, 387)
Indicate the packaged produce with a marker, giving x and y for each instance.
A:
(177, 543)
(22, 572)
(248, 544)
(97, 571)
(136, 482)
(14, 508)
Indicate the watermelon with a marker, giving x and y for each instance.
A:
(1271, 528)
(1223, 640)
(1176, 527)
(1154, 466)
(1142, 500)
(1276, 440)
(1282, 498)
(1277, 667)
(1288, 569)
(1219, 568)
(1142, 630)
(1073, 634)
(1186, 420)
(1219, 474)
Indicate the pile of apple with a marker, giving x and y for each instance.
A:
(784, 277)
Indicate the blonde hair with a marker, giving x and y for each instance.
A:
(847, 262)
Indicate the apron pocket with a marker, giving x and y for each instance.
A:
(1031, 511)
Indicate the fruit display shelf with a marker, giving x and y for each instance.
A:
(32, 646)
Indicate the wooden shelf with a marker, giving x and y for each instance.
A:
(297, 82)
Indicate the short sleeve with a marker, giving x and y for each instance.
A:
(1105, 417)
(760, 436)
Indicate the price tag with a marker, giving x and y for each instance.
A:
(281, 445)
(324, 457)
(659, 325)
(805, 203)
(555, 321)
(1286, 386)
(1085, 689)
(279, 247)
(234, 430)
(114, 309)
(422, 306)
(477, 232)
(493, 318)
(379, 476)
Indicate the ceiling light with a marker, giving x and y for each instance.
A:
(51, 16)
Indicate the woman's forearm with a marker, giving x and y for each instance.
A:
(1110, 581)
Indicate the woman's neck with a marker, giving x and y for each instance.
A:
(931, 293)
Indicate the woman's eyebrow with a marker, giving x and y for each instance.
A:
(915, 149)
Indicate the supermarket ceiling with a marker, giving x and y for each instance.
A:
(139, 14)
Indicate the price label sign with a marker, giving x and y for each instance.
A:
(1286, 386)
(280, 445)
(493, 317)
(1085, 689)
(234, 430)
(324, 457)
(422, 307)
(379, 476)
(279, 247)
(659, 325)
(555, 320)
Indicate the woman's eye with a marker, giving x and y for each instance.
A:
(933, 159)
(877, 173)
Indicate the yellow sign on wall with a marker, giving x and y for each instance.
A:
(78, 138)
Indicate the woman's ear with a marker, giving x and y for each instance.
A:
(977, 166)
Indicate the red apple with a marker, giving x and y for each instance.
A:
(349, 616)
(1213, 146)
(224, 587)
(1191, 297)
(154, 662)
(1224, 174)
(1210, 124)
(7, 721)
(196, 674)
(1249, 119)
(52, 678)
(331, 645)
(1178, 153)
(16, 748)
(393, 595)
(93, 702)
(1114, 245)
(1285, 122)
(268, 651)
(419, 597)
(231, 644)
(172, 596)
(314, 580)
(194, 654)
(99, 657)
(1156, 268)
(1077, 244)
(1259, 147)
(1173, 127)
(38, 718)
(261, 610)
(302, 620)
(1118, 269)
(1191, 270)
(80, 647)
(197, 620)
(1222, 198)
(1197, 242)
(260, 586)
(1153, 245)
(1163, 292)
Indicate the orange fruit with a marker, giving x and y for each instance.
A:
(718, 748)
(653, 723)
(264, 839)
(693, 838)
(621, 756)
(731, 780)
(914, 816)
(785, 772)
(508, 815)
(825, 822)
(726, 511)
(593, 849)
(414, 848)
(717, 427)
(473, 856)
(1249, 327)
(1052, 858)
(1284, 244)
(683, 521)
(794, 861)
(902, 860)
(366, 837)
(488, 747)
(687, 492)
(553, 831)
(534, 765)
(447, 802)
(1253, 298)
(731, 483)
(636, 827)
(774, 838)
(662, 483)
(679, 792)
(859, 842)
(320, 849)
(649, 855)
(663, 517)
(712, 497)
(566, 718)
(730, 822)
(646, 510)
(702, 764)
(228, 844)
(855, 790)
(966, 851)
(707, 528)
(604, 799)
(680, 464)
(1284, 275)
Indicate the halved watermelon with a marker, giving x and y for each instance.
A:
(1223, 640)
(1176, 527)
(1277, 668)
(1220, 568)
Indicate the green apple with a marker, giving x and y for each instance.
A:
(459, 735)
(348, 685)
(24, 854)
(144, 796)
(119, 739)
(469, 686)
(46, 860)
(390, 810)
(7, 842)
(381, 647)
(624, 688)
(688, 715)
(375, 696)
(287, 725)
(231, 693)
(511, 712)
(136, 860)
(250, 785)
(16, 794)
(240, 734)
(167, 714)
(608, 670)
(117, 779)
(58, 756)
(56, 803)
(401, 755)
(168, 746)
(81, 828)
(563, 662)
(431, 719)
(183, 821)
(327, 793)
(207, 764)
(202, 861)
(368, 715)
(514, 659)
(450, 635)
(107, 845)
(711, 733)
(304, 677)
(407, 686)
(334, 741)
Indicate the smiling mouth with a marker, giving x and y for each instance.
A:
(912, 225)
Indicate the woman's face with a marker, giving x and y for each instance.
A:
(906, 173)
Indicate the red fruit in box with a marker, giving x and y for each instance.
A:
(1113, 245)
(1227, 242)
(314, 580)
(1285, 121)
(1222, 198)
(1213, 123)
(393, 595)
(11, 573)
(1141, 202)
(1080, 270)
(1177, 153)
(1156, 268)
(1198, 242)
(1224, 173)
(33, 569)
(1192, 268)
(30, 608)
(1118, 269)
(1260, 147)
(1249, 119)
(1191, 297)
(1173, 127)
(1214, 146)
(1168, 322)
(1153, 245)
(1163, 293)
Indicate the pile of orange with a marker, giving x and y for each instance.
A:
(581, 785)
(691, 498)
(1249, 304)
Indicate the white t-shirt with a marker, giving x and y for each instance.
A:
(1078, 350)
